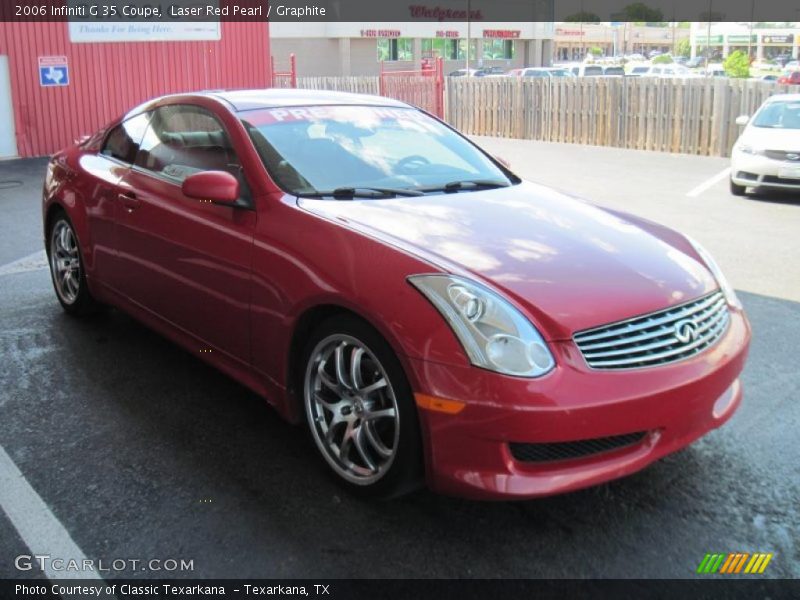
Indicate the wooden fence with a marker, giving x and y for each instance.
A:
(692, 116)
(356, 85)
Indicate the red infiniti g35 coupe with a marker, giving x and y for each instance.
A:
(374, 274)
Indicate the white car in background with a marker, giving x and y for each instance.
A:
(662, 70)
(767, 153)
(544, 72)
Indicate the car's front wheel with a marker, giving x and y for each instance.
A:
(66, 268)
(737, 190)
(360, 409)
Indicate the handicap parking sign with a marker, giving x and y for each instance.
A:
(53, 71)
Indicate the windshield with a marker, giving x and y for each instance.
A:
(309, 150)
(779, 115)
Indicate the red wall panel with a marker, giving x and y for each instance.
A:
(107, 79)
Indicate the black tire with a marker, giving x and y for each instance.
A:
(80, 303)
(737, 190)
(404, 473)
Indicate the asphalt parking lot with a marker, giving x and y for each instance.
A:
(139, 450)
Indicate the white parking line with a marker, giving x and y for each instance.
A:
(32, 262)
(694, 193)
(36, 524)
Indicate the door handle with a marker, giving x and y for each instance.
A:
(129, 200)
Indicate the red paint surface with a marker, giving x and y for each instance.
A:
(106, 79)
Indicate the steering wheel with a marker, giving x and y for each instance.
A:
(415, 159)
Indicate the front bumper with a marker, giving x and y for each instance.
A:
(760, 171)
(468, 453)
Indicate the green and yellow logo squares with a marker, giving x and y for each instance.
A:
(735, 562)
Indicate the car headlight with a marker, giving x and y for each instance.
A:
(727, 290)
(494, 334)
(747, 149)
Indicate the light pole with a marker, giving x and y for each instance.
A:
(469, 32)
(708, 34)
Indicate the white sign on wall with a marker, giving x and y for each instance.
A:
(93, 32)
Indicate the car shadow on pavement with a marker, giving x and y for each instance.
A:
(774, 196)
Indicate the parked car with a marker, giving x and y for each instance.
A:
(586, 70)
(680, 60)
(376, 275)
(547, 72)
(663, 71)
(773, 78)
(481, 72)
(635, 57)
(767, 153)
(463, 73)
(792, 78)
(697, 61)
(614, 71)
(715, 70)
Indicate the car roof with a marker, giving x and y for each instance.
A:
(783, 98)
(280, 97)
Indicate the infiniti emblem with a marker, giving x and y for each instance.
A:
(685, 331)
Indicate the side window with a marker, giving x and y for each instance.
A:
(123, 141)
(185, 139)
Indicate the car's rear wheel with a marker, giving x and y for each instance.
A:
(66, 268)
(737, 190)
(360, 409)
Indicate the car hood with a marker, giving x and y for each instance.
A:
(766, 138)
(569, 264)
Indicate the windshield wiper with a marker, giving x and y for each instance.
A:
(454, 186)
(348, 193)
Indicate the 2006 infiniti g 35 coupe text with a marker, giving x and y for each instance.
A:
(372, 273)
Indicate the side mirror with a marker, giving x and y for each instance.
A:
(503, 161)
(218, 187)
(742, 120)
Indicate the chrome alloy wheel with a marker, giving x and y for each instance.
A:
(352, 409)
(65, 264)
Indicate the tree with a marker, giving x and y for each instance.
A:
(582, 17)
(641, 12)
(737, 65)
(662, 59)
(596, 51)
(683, 48)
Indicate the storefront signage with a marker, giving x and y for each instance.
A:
(742, 39)
(714, 39)
(380, 33)
(501, 33)
(777, 39)
(577, 32)
(447, 34)
(440, 13)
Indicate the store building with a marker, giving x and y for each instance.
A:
(342, 49)
(759, 43)
(572, 41)
(59, 81)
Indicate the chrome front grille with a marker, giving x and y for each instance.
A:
(658, 338)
